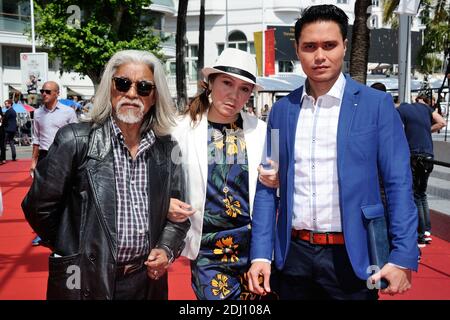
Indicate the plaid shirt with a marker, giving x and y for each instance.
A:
(132, 204)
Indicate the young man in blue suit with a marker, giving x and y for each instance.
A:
(335, 137)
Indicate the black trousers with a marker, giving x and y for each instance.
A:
(138, 286)
(2, 144)
(318, 272)
(10, 140)
(42, 155)
(421, 170)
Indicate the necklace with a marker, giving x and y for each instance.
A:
(225, 141)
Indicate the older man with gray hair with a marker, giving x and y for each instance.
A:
(100, 198)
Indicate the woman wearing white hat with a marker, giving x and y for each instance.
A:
(221, 149)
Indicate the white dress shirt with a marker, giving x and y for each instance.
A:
(316, 189)
(46, 123)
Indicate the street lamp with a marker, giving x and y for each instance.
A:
(406, 10)
(33, 44)
(226, 24)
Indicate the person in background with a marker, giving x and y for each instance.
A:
(32, 90)
(48, 119)
(2, 138)
(26, 132)
(419, 121)
(265, 112)
(88, 106)
(379, 86)
(10, 124)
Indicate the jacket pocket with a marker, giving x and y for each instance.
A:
(64, 277)
(373, 211)
(364, 131)
(83, 217)
(377, 235)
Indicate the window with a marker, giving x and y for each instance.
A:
(376, 3)
(13, 9)
(14, 15)
(237, 39)
(220, 47)
(11, 55)
(374, 22)
(342, 1)
(252, 47)
(285, 66)
(190, 63)
(172, 67)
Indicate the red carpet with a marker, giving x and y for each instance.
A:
(23, 268)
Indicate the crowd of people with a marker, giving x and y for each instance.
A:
(262, 209)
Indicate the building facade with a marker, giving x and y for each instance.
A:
(14, 23)
(234, 22)
(231, 23)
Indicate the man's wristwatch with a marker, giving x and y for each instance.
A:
(169, 252)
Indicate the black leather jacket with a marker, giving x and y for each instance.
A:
(71, 205)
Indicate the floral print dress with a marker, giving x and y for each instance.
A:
(218, 272)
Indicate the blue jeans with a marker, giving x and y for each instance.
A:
(421, 170)
(10, 141)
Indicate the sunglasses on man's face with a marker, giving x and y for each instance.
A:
(46, 91)
(143, 87)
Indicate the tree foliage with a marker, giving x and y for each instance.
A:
(181, 42)
(435, 15)
(85, 42)
(359, 55)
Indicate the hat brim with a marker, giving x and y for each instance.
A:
(208, 71)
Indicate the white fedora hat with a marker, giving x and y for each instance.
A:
(236, 63)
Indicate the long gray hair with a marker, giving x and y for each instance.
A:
(161, 117)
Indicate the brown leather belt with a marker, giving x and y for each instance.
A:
(123, 269)
(321, 238)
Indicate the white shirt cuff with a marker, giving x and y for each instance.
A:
(261, 260)
(396, 265)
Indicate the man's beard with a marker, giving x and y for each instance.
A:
(130, 116)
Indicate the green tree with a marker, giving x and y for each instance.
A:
(181, 42)
(435, 15)
(85, 36)
(359, 55)
(201, 41)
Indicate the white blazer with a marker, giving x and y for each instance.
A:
(193, 145)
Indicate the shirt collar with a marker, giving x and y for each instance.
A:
(147, 138)
(336, 91)
(57, 106)
(115, 129)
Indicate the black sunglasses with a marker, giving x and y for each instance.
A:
(46, 91)
(143, 87)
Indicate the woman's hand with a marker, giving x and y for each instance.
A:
(269, 176)
(179, 211)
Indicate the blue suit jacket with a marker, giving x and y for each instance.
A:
(10, 120)
(370, 140)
